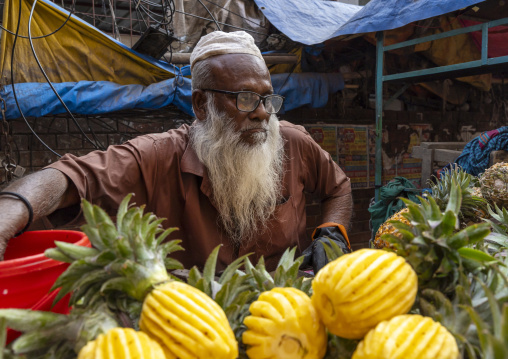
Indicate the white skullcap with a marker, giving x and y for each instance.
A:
(220, 43)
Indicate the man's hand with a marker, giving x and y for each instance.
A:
(315, 254)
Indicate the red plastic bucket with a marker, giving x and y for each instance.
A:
(26, 275)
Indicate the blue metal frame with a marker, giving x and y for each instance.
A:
(483, 65)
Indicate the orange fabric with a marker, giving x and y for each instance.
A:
(332, 224)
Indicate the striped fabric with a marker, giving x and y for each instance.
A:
(484, 138)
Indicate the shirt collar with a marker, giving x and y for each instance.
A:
(191, 162)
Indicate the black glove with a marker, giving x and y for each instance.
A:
(315, 254)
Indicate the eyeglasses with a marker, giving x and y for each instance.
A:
(247, 101)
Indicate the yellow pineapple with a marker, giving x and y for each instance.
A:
(387, 228)
(408, 336)
(122, 343)
(283, 324)
(187, 323)
(355, 292)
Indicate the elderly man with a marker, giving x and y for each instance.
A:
(236, 177)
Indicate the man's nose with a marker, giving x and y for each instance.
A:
(260, 113)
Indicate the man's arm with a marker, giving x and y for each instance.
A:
(46, 190)
(338, 210)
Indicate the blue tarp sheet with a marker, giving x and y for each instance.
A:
(97, 97)
(314, 21)
(309, 22)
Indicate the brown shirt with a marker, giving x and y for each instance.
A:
(165, 174)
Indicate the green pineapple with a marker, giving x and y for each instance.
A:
(456, 267)
(473, 207)
(433, 244)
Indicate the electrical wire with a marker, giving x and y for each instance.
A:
(234, 13)
(148, 11)
(209, 13)
(111, 128)
(52, 33)
(169, 8)
(96, 139)
(48, 80)
(14, 89)
(222, 23)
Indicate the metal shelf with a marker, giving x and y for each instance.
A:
(484, 65)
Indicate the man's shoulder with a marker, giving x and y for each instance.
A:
(289, 129)
(292, 132)
(175, 138)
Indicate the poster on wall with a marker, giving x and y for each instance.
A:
(352, 143)
(326, 137)
(347, 144)
(353, 148)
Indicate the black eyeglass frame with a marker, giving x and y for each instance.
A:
(260, 98)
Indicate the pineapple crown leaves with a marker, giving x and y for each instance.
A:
(474, 310)
(332, 250)
(287, 273)
(136, 236)
(207, 282)
(430, 226)
(432, 243)
(471, 205)
(459, 323)
(493, 336)
(500, 215)
(129, 257)
(45, 332)
(232, 290)
(438, 306)
(498, 221)
(263, 281)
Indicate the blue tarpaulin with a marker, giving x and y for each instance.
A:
(314, 21)
(96, 97)
(308, 22)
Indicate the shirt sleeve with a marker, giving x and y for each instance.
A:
(104, 178)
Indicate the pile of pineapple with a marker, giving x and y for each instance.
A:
(438, 288)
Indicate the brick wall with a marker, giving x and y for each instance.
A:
(63, 136)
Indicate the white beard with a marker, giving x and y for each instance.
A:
(246, 179)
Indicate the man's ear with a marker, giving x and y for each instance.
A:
(199, 104)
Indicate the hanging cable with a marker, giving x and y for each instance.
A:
(14, 89)
(234, 13)
(222, 23)
(48, 80)
(42, 36)
(209, 13)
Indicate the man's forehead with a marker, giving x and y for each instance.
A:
(238, 68)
